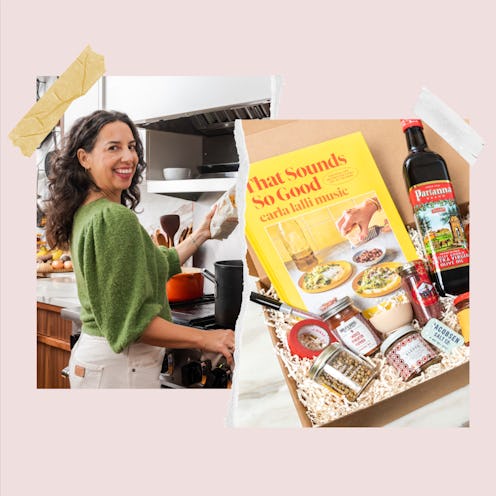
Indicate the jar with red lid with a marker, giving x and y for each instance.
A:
(462, 309)
(308, 337)
(408, 352)
(351, 327)
(420, 290)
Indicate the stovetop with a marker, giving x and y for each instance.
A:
(192, 368)
(198, 313)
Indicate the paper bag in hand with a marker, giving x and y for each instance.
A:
(225, 218)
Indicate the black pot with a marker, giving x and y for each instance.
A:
(228, 280)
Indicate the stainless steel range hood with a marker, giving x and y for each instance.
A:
(210, 122)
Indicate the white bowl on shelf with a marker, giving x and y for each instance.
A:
(176, 173)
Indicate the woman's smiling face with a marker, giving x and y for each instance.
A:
(113, 160)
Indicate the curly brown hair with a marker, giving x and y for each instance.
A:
(69, 183)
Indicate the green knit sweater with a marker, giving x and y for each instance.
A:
(120, 273)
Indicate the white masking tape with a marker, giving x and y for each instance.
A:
(449, 125)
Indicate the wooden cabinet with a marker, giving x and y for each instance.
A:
(53, 346)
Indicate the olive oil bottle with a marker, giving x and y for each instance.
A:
(436, 212)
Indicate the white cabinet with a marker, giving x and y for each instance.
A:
(151, 97)
(166, 149)
(92, 100)
(190, 185)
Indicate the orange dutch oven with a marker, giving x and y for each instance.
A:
(187, 285)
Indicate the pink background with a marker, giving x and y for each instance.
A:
(338, 60)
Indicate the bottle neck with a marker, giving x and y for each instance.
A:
(415, 139)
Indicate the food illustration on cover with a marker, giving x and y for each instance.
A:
(378, 280)
(323, 225)
(325, 276)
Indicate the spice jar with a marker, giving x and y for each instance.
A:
(408, 352)
(343, 372)
(420, 290)
(351, 327)
(462, 307)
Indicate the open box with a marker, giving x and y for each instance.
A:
(387, 144)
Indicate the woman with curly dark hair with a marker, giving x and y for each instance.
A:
(120, 273)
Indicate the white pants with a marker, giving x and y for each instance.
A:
(93, 364)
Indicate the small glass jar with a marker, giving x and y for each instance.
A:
(462, 308)
(351, 327)
(408, 352)
(343, 372)
(420, 290)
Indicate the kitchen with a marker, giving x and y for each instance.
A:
(185, 123)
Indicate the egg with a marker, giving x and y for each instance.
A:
(57, 265)
(68, 265)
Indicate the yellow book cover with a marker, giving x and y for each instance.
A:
(323, 225)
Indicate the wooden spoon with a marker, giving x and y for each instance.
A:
(159, 238)
(184, 234)
(170, 224)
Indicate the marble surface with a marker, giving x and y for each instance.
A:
(58, 289)
(262, 398)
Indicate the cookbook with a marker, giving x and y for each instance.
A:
(323, 225)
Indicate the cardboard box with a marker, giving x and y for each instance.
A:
(387, 144)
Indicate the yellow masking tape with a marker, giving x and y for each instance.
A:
(79, 77)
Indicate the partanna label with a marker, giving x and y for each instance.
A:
(438, 220)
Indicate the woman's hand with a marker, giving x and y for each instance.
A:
(161, 332)
(204, 230)
(220, 341)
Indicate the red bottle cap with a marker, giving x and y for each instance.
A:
(406, 123)
(463, 296)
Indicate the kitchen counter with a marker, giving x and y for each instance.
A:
(56, 327)
(262, 398)
(59, 290)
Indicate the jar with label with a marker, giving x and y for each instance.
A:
(420, 290)
(408, 352)
(343, 372)
(351, 327)
(462, 307)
